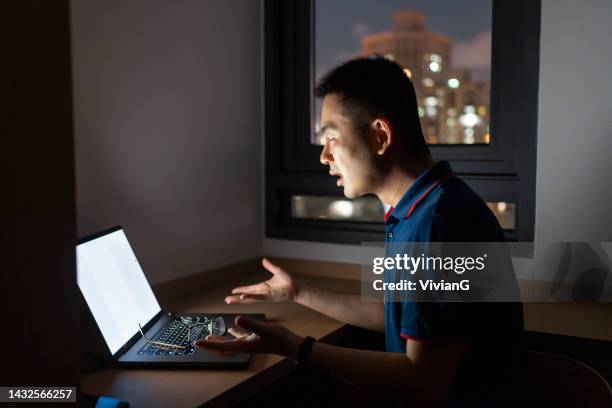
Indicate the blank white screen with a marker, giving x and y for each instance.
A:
(115, 288)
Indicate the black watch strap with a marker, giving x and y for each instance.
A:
(304, 350)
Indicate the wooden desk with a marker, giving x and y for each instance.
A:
(191, 388)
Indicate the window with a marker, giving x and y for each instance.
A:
(446, 51)
(468, 103)
(371, 209)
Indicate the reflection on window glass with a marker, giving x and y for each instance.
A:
(505, 213)
(370, 209)
(444, 47)
(363, 209)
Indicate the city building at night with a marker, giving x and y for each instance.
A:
(454, 107)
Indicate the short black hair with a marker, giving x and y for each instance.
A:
(375, 86)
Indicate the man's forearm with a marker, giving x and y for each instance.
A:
(394, 375)
(346, 308)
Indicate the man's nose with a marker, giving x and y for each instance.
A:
(326, 158)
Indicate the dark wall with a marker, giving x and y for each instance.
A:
(167, 118)
(38, 293)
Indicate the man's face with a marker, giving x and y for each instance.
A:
(349, 155)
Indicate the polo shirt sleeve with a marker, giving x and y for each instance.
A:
(433, 321)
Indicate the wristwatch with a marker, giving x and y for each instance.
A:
(304, 350)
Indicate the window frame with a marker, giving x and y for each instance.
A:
(503, 170)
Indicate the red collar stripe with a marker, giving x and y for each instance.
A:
(422, 197)
(389, 211)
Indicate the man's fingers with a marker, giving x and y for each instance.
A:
(272, 268)
(256, 288)
(253, 296)
(238, 332)
(211, 337)
(226, 345)
(252, 325)
(214, 344)
(245, 298)
(232, 299)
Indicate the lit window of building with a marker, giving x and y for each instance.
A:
(453, 83)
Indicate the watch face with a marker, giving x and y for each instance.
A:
(305, 349)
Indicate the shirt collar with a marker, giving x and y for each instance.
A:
(423, 184)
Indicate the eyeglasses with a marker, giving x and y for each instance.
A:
(215, 326)
(158, 343)
(212, 326)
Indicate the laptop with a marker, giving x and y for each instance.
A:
(133, 325)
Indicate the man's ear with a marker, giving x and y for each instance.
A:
(384, 135)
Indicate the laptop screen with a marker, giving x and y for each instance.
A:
(114, 287)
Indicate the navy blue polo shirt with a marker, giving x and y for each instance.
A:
(440, 207)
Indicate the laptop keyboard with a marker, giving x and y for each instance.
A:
(176, 333)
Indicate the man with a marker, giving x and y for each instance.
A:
(450, 354)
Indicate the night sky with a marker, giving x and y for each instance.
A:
(339, 24)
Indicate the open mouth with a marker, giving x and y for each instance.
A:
(340, 180)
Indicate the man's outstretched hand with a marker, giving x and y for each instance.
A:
(253, 336)
(279, 288)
